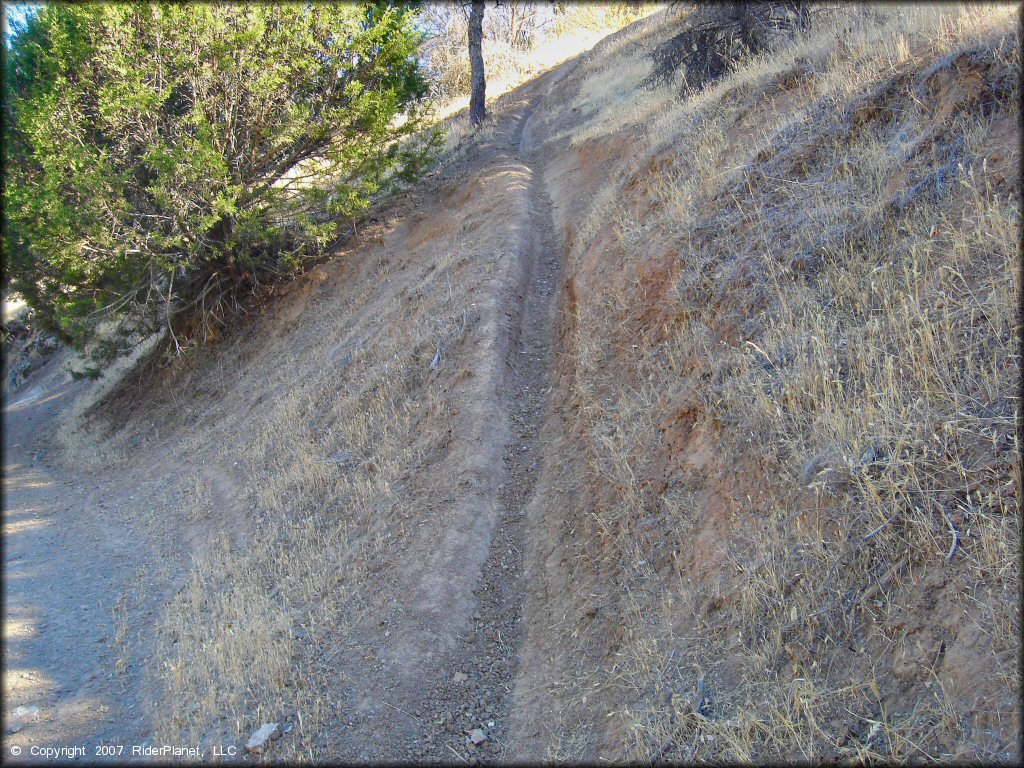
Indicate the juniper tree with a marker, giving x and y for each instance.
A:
(163, 159)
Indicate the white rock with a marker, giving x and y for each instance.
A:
(259, 740)
(477, 736)
(460, 677)
(20, 712)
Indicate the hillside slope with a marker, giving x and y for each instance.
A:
(785, 405)
(646, 428)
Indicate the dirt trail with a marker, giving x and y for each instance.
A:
(451, 674)
(476, 695)
(89, 559)
(71, 567)
(82, 591)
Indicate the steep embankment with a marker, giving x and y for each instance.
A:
(780, 512)
(647, 427)
(376, 606)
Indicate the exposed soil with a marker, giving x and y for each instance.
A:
(432, 705)
(89, 560)
(78, 625)
(511, 589)
(478, 694)
(70, 567)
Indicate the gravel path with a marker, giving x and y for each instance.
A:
(71, 571)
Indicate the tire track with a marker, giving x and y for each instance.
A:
(476, 699)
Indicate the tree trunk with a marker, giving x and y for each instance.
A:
(802, 15)
(477, 110)
(751, 18)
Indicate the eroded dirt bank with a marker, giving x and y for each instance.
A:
(751, 537)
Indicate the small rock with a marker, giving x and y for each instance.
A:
(341, 457)
(460, 677)
(259, 740)
(477, 736)
(15, 727)
(20, 712)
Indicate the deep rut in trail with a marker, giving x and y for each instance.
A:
(476, 699)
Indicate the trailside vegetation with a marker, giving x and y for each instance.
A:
(165, 160)
(711, 46)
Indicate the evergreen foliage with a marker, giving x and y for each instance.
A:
(163, 160)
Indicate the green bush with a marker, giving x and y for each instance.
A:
(162, 160)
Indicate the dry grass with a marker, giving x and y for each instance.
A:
(303, 461)
(843, 315)
(810, 287)
(251, 636)
(297, 457)
(87, 443)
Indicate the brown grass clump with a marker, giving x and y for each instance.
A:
(325, 451)
(778, 513)
(795, 364)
